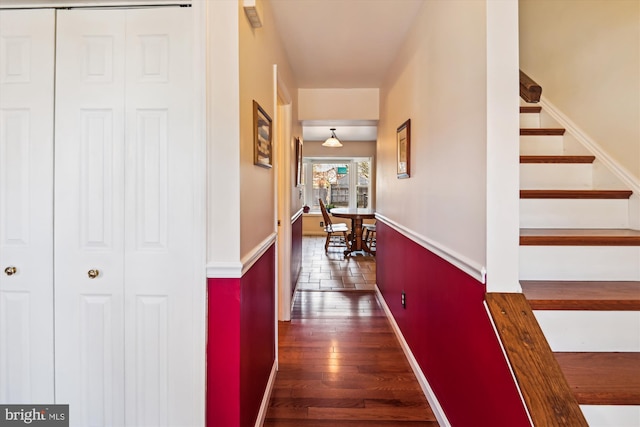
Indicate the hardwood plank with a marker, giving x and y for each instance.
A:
(530, 109)
(340, 362)
(541, 131)
(603, 378)
(374, 414)
(579, 237)
(581, 295)
(557, 159)
(546, 393)
(575, 194)
(345, 423)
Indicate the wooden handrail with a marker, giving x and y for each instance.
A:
(530, 91)
(547, 395)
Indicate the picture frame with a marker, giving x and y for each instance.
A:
(403, 142)
(262, 137)
(298, 144)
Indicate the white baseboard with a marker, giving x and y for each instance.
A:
(264, 406)
(422, 380)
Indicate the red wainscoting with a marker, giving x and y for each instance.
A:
(449, 332)
(296, 252)
(241, 343)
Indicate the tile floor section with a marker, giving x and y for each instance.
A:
(333, 271)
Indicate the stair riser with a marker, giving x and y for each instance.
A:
(579, 263)
(609, 415)
(556, 176)
(575, 330)
(529, 120)
(574, 213)
(541, 145)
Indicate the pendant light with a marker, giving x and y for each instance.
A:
(333, 140)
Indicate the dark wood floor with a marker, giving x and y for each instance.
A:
(340, 364)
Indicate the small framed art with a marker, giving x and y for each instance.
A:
(262, 143)
(298, 143)
(403, 141)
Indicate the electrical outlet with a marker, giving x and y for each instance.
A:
(321, 223)
(403, 299)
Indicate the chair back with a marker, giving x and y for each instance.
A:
(325, 214)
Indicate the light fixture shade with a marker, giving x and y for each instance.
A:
(333, 140)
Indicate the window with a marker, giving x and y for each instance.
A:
(338, 182)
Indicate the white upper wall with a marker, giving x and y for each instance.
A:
(439, 81)
(338, 104)
(586, 57)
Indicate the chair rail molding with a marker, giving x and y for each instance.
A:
(235, 270)
(472, 268)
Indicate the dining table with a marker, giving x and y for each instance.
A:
(357, 217)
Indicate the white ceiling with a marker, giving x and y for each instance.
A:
(342, 44)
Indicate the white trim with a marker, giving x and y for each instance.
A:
(422, 380)
(616, 168)
(296, 215)
(470, 267)
(200, 303)
(224, 270)
(249, 259)
(264, 406)
(235, 270)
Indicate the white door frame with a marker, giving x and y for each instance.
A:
(283, 144)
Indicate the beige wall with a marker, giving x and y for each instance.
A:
(260, 49)
(349, 149)
(586, 56)
(439, 82)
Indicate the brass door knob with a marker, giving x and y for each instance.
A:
(93, 274)
(10, 271)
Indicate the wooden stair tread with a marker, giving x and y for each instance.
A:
(557, 159)
(582, 295)
(579, 237)
(575, 194)
(530, 109)
(541, 131)
(602, 378)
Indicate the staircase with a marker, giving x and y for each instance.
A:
(580, 269)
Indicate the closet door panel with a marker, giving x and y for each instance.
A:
(26, 206)
(159, 220)
(89, 215)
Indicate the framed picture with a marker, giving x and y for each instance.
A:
(298, 142)
(262, 144)
(403, 140)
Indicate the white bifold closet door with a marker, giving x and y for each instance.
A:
(26, 206)
(124, 218)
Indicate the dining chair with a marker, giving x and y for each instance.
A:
(370, 235)
(336, 233)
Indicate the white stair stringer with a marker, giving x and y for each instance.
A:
(579, 263)
(582, 330)
(556, 176)
(574, 213)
